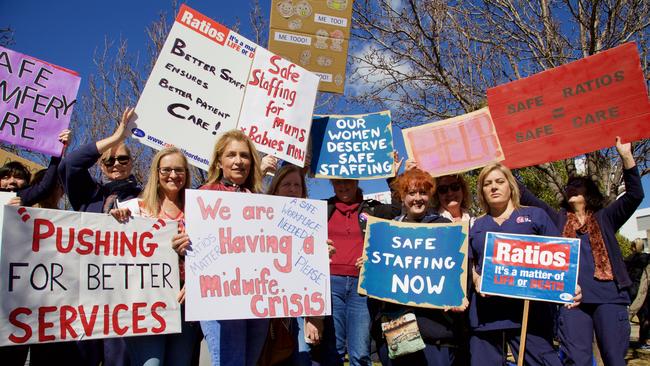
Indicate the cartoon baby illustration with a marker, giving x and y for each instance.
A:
(337, 4)
(337, 40)
(295, 23)
(285, 7)
(305, 57)
(302, 8)
(324, 61)
(321, 39)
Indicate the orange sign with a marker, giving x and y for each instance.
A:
(454, 145)
(572, 109)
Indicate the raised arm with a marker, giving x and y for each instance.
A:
(622, 209)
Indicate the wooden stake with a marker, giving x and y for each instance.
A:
(522, 337)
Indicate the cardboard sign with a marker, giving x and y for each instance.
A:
(314, 34)
(454, 145)
(530, 267)
(5, 197)
(37, 101)
(279, 102)
(76, 275)
(353, 147)
(196, 88)
(255, 256)
(6, 157)
(572, 109)
(415, 264)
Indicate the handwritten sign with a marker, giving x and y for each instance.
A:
(74, 275)
(415, 264)
(454, 145)
(353, 147)
(37, 101)
(314, 34)
(530, 267)
(279, 102)
(5, 197)
(255, 256)
(572, 109)
(196, 88)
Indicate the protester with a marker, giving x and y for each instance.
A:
(603, 276)
(439, 330)
(43, 191)
(348, 213)
(452, 198)
(289, 181)
(87, 195)
(163, 197)
(496, 321)
(638, 268)
(235, 167)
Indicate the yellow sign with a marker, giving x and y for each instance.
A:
(315, 35)
(6, 157)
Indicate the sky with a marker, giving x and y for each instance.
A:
(67, 33)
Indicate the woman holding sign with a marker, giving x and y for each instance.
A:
(496, 321)
(163, 197)
(348, 213)
(235, 167)
(88, 195)
(438, 330)
(603, 276)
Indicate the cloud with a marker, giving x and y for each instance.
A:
(365, 77)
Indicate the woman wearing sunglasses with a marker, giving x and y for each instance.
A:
(451, 198)
(88, 195)
(602, 277)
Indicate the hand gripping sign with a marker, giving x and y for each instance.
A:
(530, 267)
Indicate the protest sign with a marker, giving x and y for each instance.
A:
(314, 34)
(572, 109)
(454, 145)
(37, 101)
(6, 157)
(74, 275)
(530, 267)
(255, 256)
(278, 106)
(353, 147)
(5, 197)
(415, 264)
(196, 88)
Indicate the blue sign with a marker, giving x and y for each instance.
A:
(530, 267)
(415, 264)
(353, 147)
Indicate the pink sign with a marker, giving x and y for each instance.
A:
(37, 100)
(454, 145)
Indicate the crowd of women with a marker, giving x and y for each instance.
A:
(479, 332)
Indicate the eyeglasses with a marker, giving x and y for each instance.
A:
(455, 187)
(165, 172)
(122, 159)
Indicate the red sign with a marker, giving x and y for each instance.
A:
(531, 255)
(572, 109)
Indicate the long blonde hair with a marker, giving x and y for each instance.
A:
(254, 180)
(514, 188)
(152, 195)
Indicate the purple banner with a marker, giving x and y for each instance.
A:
(36, 100)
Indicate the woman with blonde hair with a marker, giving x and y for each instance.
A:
(163, 197)
(235, 167)
(496, 321)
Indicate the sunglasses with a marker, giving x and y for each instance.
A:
(455, 187)
(165, 172)
(122, 159)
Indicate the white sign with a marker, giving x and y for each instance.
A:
(255, 256)
(279, 103)
(72, 275)
(196, 87)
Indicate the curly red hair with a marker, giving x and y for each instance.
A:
(414, 179)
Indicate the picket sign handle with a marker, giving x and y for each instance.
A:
(522, 337)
